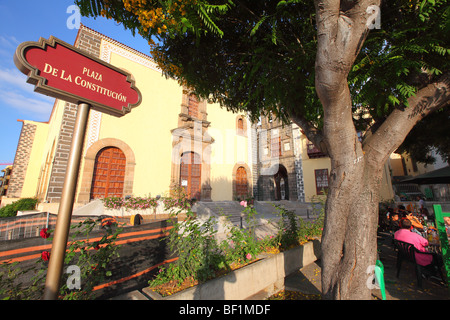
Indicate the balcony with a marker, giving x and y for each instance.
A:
(313, 151)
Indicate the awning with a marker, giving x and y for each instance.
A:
(439, 176)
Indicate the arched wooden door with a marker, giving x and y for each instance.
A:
(241, 183)
(191, 174)
(109, 173)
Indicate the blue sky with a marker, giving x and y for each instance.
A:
(28, 20)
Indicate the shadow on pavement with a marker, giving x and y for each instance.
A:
(308, 279)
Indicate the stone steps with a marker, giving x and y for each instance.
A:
(224, 208)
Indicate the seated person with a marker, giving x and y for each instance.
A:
(419, 242)
(402, 211)
(394, 222)
(383, 221)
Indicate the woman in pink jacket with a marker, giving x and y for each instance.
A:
(419, 242)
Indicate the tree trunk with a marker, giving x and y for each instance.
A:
(349, 244)
(349, 241)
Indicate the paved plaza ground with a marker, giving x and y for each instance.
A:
(308, 279)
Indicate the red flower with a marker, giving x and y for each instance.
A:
(45, 255)
(97, 247)
(44, 234)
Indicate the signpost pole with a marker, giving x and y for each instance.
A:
(61, 234)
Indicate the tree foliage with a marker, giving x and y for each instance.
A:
(410, 51)
(428, 138)
(253, 57)
(259, 56)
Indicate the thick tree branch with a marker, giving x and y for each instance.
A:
(390, 135)
(341, 29)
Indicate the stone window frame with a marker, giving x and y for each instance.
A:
(241, 131)
(193, 106)
(184, 117)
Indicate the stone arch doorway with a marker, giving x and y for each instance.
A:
(84, 195)
(281, 184)
(109, 173)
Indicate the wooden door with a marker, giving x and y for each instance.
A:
(109, 173)
(241, 183)
(191, 174)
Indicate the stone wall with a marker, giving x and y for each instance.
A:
(21, 160)
(268, 131)
(61, 159)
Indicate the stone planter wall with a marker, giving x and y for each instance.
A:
(266, 274)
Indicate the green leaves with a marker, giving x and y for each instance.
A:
(258, 24)
(209, 23)
(201, 256)
(193, 242)
(92, 257)
(427, 8)
(439, 49)
(10, 210)
(407, 53)
(406, 90)
(259, 56)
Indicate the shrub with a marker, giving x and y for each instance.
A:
(288, 228)
(133, 203)
(92, 257)
(293, 230)
(10, 210)
(198, 253)
(200, 256)
(242, 244)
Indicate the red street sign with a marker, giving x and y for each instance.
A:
(60, 70)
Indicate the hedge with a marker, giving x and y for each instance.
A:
(10, 210)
